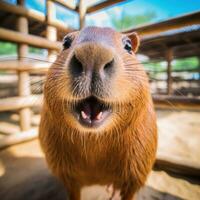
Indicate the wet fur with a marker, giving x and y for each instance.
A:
(122, 151)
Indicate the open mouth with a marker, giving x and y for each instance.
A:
(91, 112)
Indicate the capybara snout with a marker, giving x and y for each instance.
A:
(93, 65)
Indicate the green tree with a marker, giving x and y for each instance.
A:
(7, 48)
(186, 63)
(127, 21)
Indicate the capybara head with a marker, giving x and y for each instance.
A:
(97, 84)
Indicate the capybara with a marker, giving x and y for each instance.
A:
(98, 124)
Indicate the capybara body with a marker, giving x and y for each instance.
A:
(98, 123)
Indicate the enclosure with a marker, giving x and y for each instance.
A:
(31, 34)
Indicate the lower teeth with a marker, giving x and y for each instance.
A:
(98, 117)
(84, 116)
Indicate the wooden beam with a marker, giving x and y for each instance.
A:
(51, 32)
(103, 5)
(18, 138)
(20, 10)
(173, 23)
(176, 102)
(169, 58)
(177, 165)
(67, 4)
(32, 14)
(24, 88)
(15, 103)
(82, 13)
(60, 25)
(14, 36)
(31, 66)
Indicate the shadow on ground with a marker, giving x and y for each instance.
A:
(28, 178)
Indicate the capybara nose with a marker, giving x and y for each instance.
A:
(92, 59)
(75, 66)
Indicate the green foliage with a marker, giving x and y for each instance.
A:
(178, 64)
(127, 21)
(7, 48)
(186, 63)
(155, 66)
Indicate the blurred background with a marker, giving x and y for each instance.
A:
(31, 32)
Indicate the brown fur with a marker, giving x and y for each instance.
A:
(120, 152)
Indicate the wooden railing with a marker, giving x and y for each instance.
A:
(22, 67)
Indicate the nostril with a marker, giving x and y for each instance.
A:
(109, 65)
(76, 66)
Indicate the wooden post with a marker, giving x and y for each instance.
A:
(24, 88)
(169, 58)
(51, 32)
(82, 12)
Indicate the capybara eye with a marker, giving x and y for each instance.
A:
(67, 41)
(128, 46)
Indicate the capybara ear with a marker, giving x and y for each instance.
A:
(135, 41)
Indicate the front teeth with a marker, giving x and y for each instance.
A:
(84, 116)
(98, 117)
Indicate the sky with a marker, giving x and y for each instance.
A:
(164, 10)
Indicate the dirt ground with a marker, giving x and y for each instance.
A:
(24, 174)
(179, 134)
